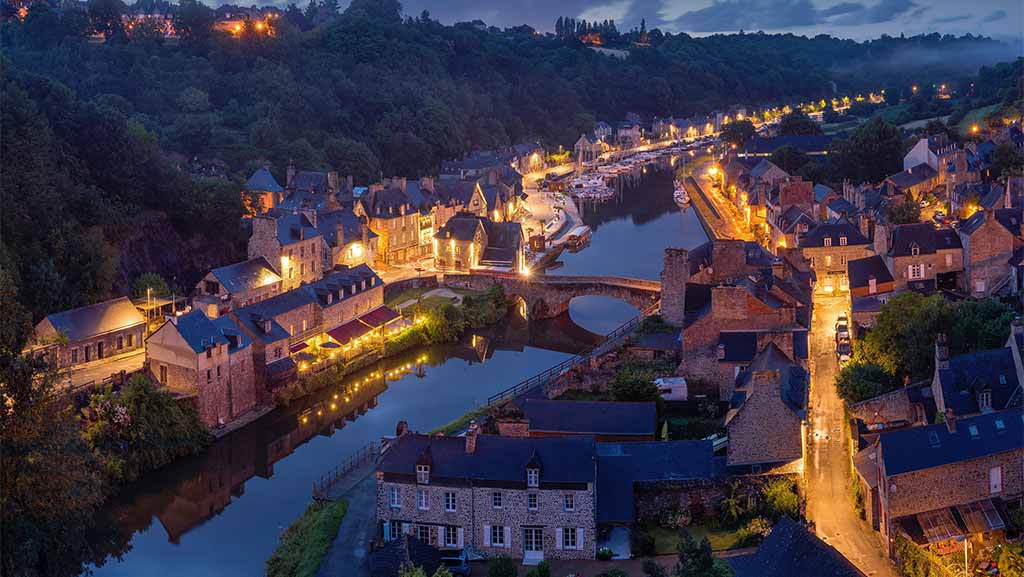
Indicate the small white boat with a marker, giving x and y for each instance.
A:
(680, 196)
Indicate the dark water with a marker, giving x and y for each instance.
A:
(222, 512)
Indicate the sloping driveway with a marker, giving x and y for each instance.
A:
(350, 550)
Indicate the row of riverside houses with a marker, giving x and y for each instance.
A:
(543, 479)
(631, 133)
(306, 296)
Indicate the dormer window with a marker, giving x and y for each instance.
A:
(827, 241)
(423, 474)
(842, 241)
(915, 250)
(533, 477)
(985, 401)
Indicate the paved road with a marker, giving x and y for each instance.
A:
(350, 550)
(827, 475)
(99, 370)
(729, 224)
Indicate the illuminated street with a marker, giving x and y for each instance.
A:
(827, 470)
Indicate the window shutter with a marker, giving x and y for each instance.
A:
(440, 537)
(459, 538)
(580, 532)
(406, 528)
(558, 538)
(487, 535)
(508, 538)
(910, 271)
(387, 530)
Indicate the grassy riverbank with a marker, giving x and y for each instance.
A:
(305, 542)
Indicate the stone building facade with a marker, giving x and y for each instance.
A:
(989, 238)
(674, 275)
(400, 212)
(829, 247)
(523, 497)
(290, 242)
(90, 333)
(920, 253)
(236, 285)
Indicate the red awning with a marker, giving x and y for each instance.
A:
(379, 317)
(298, 347)
(348, 331)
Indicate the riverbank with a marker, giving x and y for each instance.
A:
(305, 542)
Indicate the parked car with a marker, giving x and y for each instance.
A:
(843, 350)
(456, 561)
(842, 327)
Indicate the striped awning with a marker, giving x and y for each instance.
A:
(379, 317)
(348, 331)
(297, 347)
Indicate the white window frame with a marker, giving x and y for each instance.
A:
(918, 268)
(827, 241)
(569, 538)
(995, 480)
(533, 477)
(450, 504)
(394, 498)
(394, 530)
(532, 502)
(423, 474)
(451, 536)
(842, 241)
(422, 500)
(499, 532)
(569, 502)
(497, 500)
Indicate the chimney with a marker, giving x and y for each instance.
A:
(941, 352)
(333, 184)
(779, 269)
(401, 428)
(427, 183)
(268, 325)
(721, 351)
(291, 173)
(365, 232)
(950, 421)
(867, 227)
(471, 435)
(348, 183)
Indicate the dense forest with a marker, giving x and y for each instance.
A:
(99, 137)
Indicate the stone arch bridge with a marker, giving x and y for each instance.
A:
(547, 296)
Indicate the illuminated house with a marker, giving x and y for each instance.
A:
(89, 333)
(291, 243)
(236, 285)
(468, 241)
(401, 213)
(262, 192)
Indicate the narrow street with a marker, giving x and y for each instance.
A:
(827, 467)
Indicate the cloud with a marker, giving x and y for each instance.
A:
(883, 11)
(841, 8)
(728, 15)
(995, 16)
(615, 10)
(948, 19)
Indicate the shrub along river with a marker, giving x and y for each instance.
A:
(221, 513)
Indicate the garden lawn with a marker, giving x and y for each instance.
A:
(976, 116)
(460, 423)
(666, 540)
(304, 543)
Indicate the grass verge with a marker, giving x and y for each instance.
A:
(976, 116)
(666, 540)
(460, 423)
(305, 542)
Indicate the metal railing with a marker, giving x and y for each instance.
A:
(322, 487)
(604, 345)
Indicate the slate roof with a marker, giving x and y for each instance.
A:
(246, 275)
(740, 346)
(253, 321)
(96, 319)
(834, 231)
(328, 224)
(462, 227)
(970, 373)
(391, 201)
(621, 465)
(312, 181)
(459, 191)
(913, 176)
(338, 283)
(562, 459)
(280, 304)
(389, 560)
(763, 167)
(917, 448)
(262, 180)
(791, 550)
(201, 333)
(809, 144)
(292, 227)
(1010, 218)
(861, 270)
(821, 192)
(923, 235)
(794, 216)
(793, 379)
(590, 417)
(841, 207)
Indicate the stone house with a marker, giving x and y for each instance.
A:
(401, 213)
(628, 134)
(967, 198)
(829, 247)
(767, 416)
(528, 157)
(793, 549)
(496, 194)
(933, 481)
(270, 351)
(989, 239)
(348, 240)
(920, 253)
(291, 243)
(88, 334)
(976, 382)
(261, 192)
(528, 498)
(914, 182)
(934, 151)
(602, 130)
(589, 147)
(871, 283)
(789, 211)
(468, 241)
(211, 359)
(606, 422)
(226, 288)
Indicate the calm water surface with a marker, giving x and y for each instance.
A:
(221, 513)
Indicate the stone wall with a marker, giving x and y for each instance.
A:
(764, 430)
(344, 310)
(891, 407)
(65, 357)
(263, 241)
(987, 253)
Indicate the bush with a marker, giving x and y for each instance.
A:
(605, 554)
(541, 570)
(781, 498)
(652, 568)
(304, 543)
(501, 566)
(641, 542)
(754, 532)
(633, 386)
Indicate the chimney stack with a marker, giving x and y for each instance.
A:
(402, 428)
(941, 352)
(333, 184)
(950, 421)
(291, 173)
(471, 434)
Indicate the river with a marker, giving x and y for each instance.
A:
(221, 513)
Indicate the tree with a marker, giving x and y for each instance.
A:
(1007, 161)
(696, 559)
(351, 157)
(862, 380)
(789, 158)
(633, 386)
(738, 132)
(797, 123)
(105, 16)
(903, 212)
(1011, 561)
(150, 283)
(652, 568)
(194, 23)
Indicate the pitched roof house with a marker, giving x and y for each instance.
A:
(89, 333)
(791, 550)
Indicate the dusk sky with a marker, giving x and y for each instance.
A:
(844, 18)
